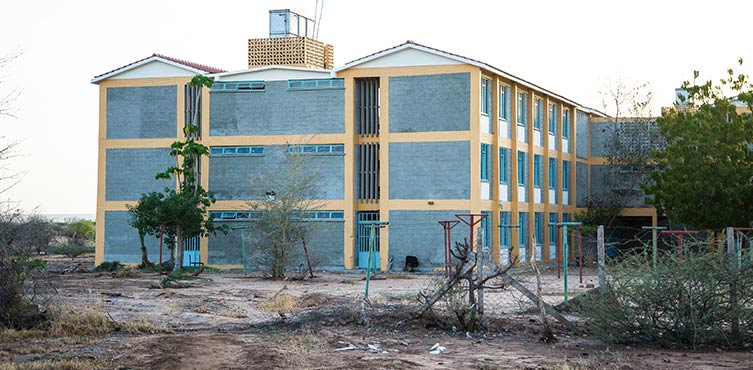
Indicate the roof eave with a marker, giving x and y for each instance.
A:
(142, 62)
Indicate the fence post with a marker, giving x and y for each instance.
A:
(732, 268)
(602, 257)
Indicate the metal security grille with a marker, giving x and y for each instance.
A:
(363, 238)
(193, 107)
(367, 172)
(191, 251)
(367, 106)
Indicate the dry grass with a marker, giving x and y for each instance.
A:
(280, 301)
(49, 365)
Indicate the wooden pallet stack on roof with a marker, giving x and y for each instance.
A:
(290, 51)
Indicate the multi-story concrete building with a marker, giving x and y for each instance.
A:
(411, 135)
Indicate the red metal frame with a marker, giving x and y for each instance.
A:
(447, 226)
(679, 234)
(471, 222)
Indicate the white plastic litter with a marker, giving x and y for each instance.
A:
(349, 347)
(437, 349)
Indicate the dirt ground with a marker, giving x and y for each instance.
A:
(228, 321)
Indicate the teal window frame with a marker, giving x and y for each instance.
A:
(485, 162)
(486, 96)
(566, 123)
(523, 229)
(552, 173)
(504, 160)
(522, 164)
(322, 149)
(504, 108)
(538, 114)
(522, 111)
(537, 170)
(504, 232)
(486, 223)
(317, 84)
(538, 224)
(238, 86)
(553, 119)
(565, 175)
(236, 151)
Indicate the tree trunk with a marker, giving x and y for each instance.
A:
(178, 251)
(144, 257)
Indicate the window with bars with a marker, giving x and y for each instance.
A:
(367, 171)
(367, 106)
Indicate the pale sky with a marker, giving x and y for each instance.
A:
(569, 47)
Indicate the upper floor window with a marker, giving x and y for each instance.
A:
(552, 173)
(538, 114)
(504, 108)
(553, 119)
(522, 108)
(486, 96)
(565, 123)
(565, 175)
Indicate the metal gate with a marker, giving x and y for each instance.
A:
(192, 251)
(363, 240)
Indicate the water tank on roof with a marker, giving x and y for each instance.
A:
(286, 23)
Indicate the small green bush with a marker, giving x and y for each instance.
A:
(109, 267)
(70, 250)
(681, 302)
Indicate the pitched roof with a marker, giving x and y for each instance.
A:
(414, 45)
(193, 67)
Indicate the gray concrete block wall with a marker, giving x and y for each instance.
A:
(438, 170)
(626, 187)
(417, 233)
(242, 177)
(131, 172)
(277, 111)
(325, 244)
(581, 184)
(142, 112)
(602, 135)
(581, 135)
(122, 241)
(440, 102)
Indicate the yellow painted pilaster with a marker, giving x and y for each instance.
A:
(384, 165)
(99, 239)
(349, 200)
(475, 180)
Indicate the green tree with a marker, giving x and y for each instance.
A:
(80, 230)
(182, 211)
(703, 176)
(286, 204)
(146, 217)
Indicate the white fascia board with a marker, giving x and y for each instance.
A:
(459, 59)
(265, 68)
(143, 62)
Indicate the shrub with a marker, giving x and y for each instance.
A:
(685, 302)
(72, 249)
